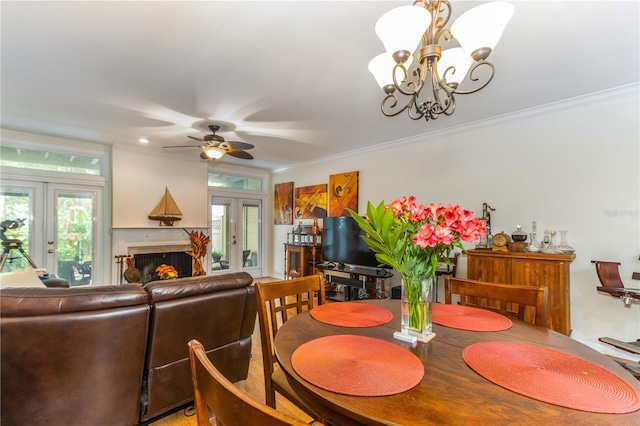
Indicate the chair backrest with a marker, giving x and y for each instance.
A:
(500, 298)
(278, 301)
(73, 273)
(229, 404)
(608, 273)
(449, 268)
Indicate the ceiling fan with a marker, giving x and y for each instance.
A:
(214, 146)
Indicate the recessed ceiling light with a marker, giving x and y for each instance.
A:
(143, 140)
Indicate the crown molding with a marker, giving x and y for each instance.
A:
(566, 104)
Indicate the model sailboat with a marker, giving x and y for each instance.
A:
(167, 211)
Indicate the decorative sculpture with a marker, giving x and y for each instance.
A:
(131, 274)
(199, 242)
(167, 211)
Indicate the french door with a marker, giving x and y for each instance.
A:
(236, 235)
(57, 226)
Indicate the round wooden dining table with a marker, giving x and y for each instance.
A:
(450, 392)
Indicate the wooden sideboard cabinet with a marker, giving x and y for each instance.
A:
(532, 269)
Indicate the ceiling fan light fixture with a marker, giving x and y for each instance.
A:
(213, 147)
(213, 152)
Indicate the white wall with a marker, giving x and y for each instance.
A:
(573, 165)
(139, 180)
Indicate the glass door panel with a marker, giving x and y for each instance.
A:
(221, 234)
(251, 234)
(16, 211)
(72, 227)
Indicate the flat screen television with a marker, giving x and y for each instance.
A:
(341, 243)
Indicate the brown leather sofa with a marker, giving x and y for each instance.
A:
(117, 355)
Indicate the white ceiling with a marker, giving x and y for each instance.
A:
(290, 77)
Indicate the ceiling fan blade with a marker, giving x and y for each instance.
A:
(194, 138)
(183, 146)
(239, 145)
(240, 154)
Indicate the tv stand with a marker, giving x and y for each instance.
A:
(354, 278)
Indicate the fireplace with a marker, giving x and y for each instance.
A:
(148, 262)
(148, 257)
(151, 247)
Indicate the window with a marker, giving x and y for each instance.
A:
(234, 182)
(44, 160)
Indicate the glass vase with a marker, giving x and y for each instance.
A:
(416, 299)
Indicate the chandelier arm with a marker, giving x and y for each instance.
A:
(440, 19)
(387, 107)
(408, 87)
(451, 108)
(472, 78)
(415, 113)
(437, 84)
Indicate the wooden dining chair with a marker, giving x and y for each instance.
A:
(277, 302)
(446, 268)
(219, 402)
(508, 299)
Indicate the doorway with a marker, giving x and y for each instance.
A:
(56, 224)
(236, 235)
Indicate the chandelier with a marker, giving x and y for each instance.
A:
(419, 28)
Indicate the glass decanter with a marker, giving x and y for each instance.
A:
(519, 235)
(551, 248)
(534, 245)
(564, 246)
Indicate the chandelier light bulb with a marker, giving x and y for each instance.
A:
(402, 28)
(481, 27)
(382, 69)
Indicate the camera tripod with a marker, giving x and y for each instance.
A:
(7, 246)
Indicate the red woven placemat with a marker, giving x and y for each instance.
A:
(469, 318)
(553, 377)
(357, 365)
(351, 314)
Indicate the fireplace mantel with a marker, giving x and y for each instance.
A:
(158, 247)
